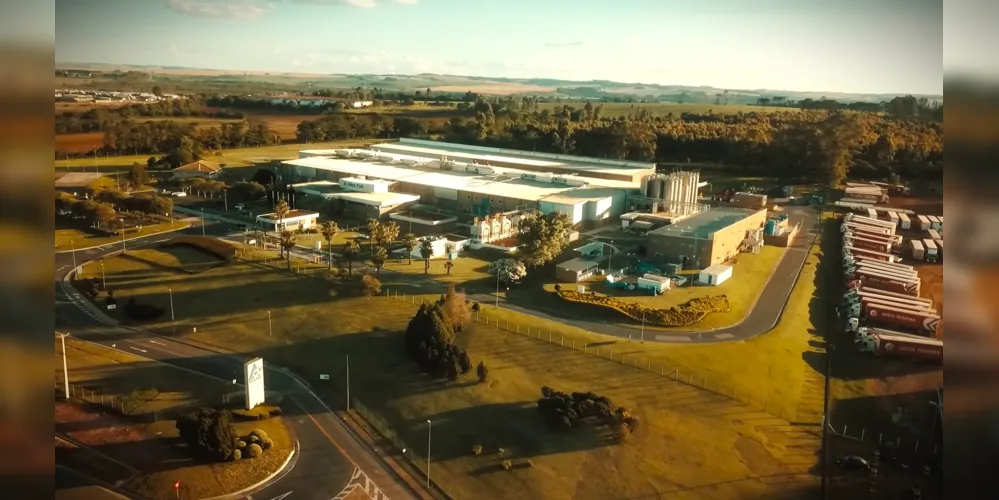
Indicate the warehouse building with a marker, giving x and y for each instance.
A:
(473, 189)
(706, 239)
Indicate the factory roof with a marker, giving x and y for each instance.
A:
(705, 224)
(332, 190)
(578, 264)
(503, 182)
(76, 179)
(528, 159)
(581, 195)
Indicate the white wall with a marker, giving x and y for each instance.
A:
(575, 212)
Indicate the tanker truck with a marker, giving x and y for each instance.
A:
(867, 244)
(860, 219)
(924, 322)
(901, 346)
(894, 239)
(852, 251)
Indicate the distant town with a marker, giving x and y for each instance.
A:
(110, 96)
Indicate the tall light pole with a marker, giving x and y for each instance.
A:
(348, 382)
(65, 369)
(72, 249)
(497, 288)
(610, 257)
(104, 283)
(430, 426)
(173, 319)
(202, 222)
(123, 235)
(270, 328)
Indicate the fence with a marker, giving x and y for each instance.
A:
(686, 377)
(116, 404)
(416, 460)
(908, 446)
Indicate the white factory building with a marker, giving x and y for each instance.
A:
(475, 180)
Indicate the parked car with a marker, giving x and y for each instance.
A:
(178, 194)
(852, 462)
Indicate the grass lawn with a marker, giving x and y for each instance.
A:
(69, 238)
(749, 277)
(152, 448)
(178, 257)
(693, 444)
(230, 157)
(470, 266)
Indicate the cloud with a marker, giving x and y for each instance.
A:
(574, 43)
(219, 9)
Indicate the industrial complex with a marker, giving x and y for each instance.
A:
(434, 187)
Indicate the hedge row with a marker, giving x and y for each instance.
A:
(214, 246)
(683, 315)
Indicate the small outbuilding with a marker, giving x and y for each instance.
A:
(292, 221)
(715, 275)
(654, 283)
(576, 270)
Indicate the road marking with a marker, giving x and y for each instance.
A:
(157, 343)
(724, 336)
(280, 497)
(61, 268)
(136, 348)
(673, 338)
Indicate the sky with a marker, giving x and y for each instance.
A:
(855, 46)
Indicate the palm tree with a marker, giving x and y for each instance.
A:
(350, 252)
(281, 211)
(426, 251)
(329, 230)
(374, 228)
(288, 243)
(448, 265)
(410, 242)
(378, 258)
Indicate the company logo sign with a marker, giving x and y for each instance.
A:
(352, 185)
(253, 370)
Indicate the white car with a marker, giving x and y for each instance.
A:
(178, 194)
(240, 206)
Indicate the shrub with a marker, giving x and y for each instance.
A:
(564, 411)
(266, 443)
(254, 450)
(477, 449)
(507, 464)
(259, 433)
(240, 444)
(208, 432)
(682, 315)
(236, 455)
(558, 287)
(482, 371)
(529, 463)
(253, 439)
(476, 307)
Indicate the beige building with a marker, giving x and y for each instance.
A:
(200, 168)
(707, 238)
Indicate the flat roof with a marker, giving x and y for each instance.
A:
(716, 269)
(290, 215)
(581, 195)
(705, 224)
(578, 264)
(527, 158)
(328, 189)
(504, 182)
(76, 179)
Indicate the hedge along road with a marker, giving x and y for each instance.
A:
(329, 453)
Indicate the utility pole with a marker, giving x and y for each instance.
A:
(643, 326)
(173, 319)
(65, 369)
(270, 329)
(430, 426)
(202, 222)
(123, 235)
(497, 289)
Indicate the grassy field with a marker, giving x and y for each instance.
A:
(69, 238)
(663, 109)
(693, 444)
(151, 447)
(230, 157)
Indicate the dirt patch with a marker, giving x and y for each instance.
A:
(494, 88)
(79, 143)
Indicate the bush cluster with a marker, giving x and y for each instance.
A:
(209, 433)
(430, 339)
(207, 244)
(685, 314)
(565, 411)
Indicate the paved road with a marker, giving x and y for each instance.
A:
(329, 454)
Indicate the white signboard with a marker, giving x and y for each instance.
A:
(253, 370)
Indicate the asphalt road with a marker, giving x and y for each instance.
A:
(329, 453)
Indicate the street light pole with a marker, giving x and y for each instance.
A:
(104, 282)
(202, 222)
(72, 249)
(497, 289)
(270, 329)
(348, 382)
(430, 426)
(65, 369)
(123, 235)
(172, 317)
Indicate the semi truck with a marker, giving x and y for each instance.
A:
(918, 253)
(901, 346)
(894, 266)
(867, 302)
(850, 258)
(856, 297)
(908, 274)
(849, 250)
(849, 232)
(883, 282)
(859, 226)
(918, 321)
(874, 291)
(868, 244)
(932, 253)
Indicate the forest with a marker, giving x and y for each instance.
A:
(818, 144)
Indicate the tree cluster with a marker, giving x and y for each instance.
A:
(565, 411)
(430, 337)
(209, 433)
(101, 119)
(99, 209)
(508, 270)
(543, 237)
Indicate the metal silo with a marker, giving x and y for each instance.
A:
(655, 188)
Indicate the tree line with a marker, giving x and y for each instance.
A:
(102, 119)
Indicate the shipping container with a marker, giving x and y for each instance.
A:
(893, 218)
(924, 222)
(904, 221)
(917, 250)
(934, 222)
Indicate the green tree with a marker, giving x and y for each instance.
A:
(448, 265)
(482, 371)
(374, 227)
(378, 258)
(137, 175)
(247, 191)
(288, 239)
(329, 230)
(350, 253)
(370, 286)
(103, 214)
(281, 210)
(426, 251)
(208, 432)
(410, 242)
(543, 237)
(387, 233)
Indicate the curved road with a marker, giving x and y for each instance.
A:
(330, 460)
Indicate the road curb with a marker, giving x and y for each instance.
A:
(185, 226)
(262, 483)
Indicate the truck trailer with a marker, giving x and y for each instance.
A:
(867, 302)
(866, 228)
(932, 253)
(884, 282)
(894, 239)
(868, 244)
(904, 222)
(853, 260)
(924, 322)
(875, 291)
(894, 273)
(918, 253)
(900, 346)
(860, 219)
(852, 251)
(856, 296)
